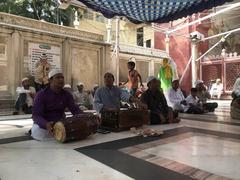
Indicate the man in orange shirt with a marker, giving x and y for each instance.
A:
(133, 75)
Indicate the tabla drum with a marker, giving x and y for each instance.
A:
(76, 127)
(124, 119)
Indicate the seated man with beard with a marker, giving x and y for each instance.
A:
(25, 98)
(160, 112)
(175, 96)
(203, 96)
(109, 97)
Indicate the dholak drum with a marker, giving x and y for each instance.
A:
(124, 119)
(76, 127)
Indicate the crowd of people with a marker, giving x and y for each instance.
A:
(50, 97)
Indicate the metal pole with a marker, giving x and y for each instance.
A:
(185, 70)
(212, 47)
(220, 34)
(205, 17)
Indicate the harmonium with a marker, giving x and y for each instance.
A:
(124, 119)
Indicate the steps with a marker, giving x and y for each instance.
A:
(226, 97)
(6, 104)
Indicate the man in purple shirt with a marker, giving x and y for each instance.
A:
(49, 106)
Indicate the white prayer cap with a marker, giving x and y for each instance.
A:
(43, 56)
(67, 86)
(198, 82)
(175, 79)
(80, 84)
(132, 59)
(95, 85)
(24, 79)
(150, 78)
(218, 80)
(54, 72)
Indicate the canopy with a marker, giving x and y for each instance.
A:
(143, 11)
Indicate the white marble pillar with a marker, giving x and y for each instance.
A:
(194, 52)
(109, 31)
(117, 49)
(76, 22)
(167, 43)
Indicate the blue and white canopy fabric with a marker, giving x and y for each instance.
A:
(143, 11)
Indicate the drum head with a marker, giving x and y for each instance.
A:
(59, 131)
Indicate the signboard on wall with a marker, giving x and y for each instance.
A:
(36, 49)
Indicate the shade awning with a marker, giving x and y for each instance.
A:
(143, 11)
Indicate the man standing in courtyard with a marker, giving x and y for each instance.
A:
(43, 67)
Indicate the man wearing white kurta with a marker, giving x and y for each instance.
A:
(216, 89)
(25, 97)
(83, 99)
(175, 97)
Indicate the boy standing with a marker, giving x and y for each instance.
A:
(133, 75)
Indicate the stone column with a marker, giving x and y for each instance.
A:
(67, 61)
(151, 68)
(76, 22)
(15, 63)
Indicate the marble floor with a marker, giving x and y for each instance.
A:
(199, 147)
(217, 156)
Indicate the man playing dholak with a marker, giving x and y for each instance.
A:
(41, 72)
(49, 106)
(108, 97)
(160, 112)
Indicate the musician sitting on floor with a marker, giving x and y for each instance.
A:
(235, 105)
(25, 98)
(49, 106)
(176, 97)
(82, 98)
(216, 89)
(108, 97)
(193, 106)
(154, 98)
(204, 95)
